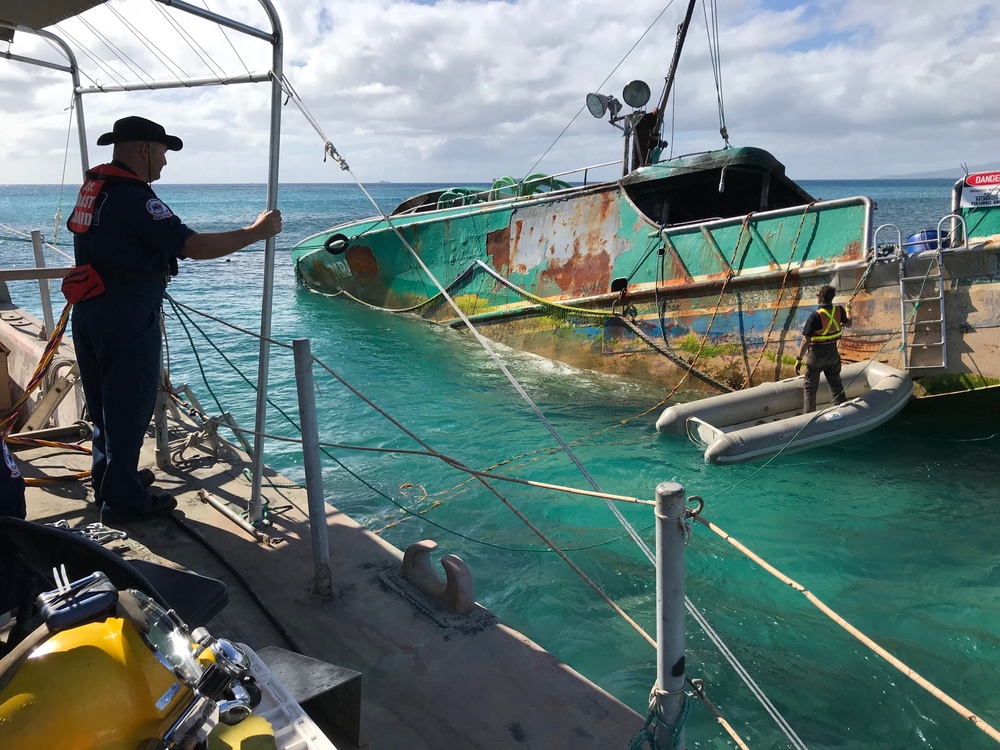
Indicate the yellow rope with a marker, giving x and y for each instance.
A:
(699, 690)
(909, 672)
(48, 355)
(715, 313)
(781, 292)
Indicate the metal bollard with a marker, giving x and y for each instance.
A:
(667, 699)
(314, 471)
(43, 284)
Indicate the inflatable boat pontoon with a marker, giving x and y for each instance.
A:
(762, 421)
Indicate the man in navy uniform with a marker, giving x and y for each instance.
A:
(127, 243)
(820, 335)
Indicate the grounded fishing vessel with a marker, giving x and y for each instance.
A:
(697, 264)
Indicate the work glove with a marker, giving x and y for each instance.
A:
(798, 366)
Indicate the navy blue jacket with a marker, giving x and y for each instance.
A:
(134, 239)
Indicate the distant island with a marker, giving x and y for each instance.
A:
(953, 173)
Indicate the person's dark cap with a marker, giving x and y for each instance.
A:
(140, 129)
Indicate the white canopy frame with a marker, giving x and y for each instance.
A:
(31, 18)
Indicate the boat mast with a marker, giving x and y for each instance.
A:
(672, 72)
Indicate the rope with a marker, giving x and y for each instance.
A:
(715, 313)
(864, 276)
(781, 292)
(48, 354)
(715, 53)
(699, 689)
(454, 462)
(677, 360)
(646, 735)
(457, 464)
(26, 237)
(601, 85)
(429, 451)
(857, 634)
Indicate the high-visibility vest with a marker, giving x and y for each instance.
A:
(831, 329)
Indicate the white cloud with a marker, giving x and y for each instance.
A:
(466, 91)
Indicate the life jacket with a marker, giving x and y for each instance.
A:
(83, 213)
(831, 329)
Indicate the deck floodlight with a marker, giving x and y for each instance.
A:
(636, 94)
(597, 104)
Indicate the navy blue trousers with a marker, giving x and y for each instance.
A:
(12, 576)
(117, 340)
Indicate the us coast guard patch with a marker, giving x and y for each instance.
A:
(158, 209)
(10, 462)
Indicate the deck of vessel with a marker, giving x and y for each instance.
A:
(431, 679)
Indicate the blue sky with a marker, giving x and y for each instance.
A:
(469, 90)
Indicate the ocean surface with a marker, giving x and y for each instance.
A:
(898, 532)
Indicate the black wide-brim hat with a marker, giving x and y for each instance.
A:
(140, 129)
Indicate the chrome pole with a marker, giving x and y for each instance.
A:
(255, 506)
(43, 284)
(667, 699)
(314, 469)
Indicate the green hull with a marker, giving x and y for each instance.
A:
(637, 276)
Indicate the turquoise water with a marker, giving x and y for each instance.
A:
(897, 532)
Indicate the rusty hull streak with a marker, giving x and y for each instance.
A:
(854, 251)
(518, 231)
(361, 260)
(582, 273)
(588, 269)
(498, 248)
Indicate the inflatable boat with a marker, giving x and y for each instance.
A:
(765, 420)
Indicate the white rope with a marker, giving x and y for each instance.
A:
(93, 58)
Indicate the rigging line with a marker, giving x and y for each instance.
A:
(600, 86)
(832, 406)
(537, 531)
(28, 235)
(631, 531)
(510, 377)
(160, 55)
(184, 34)
(699, 690)
(644, 548)
(857, 634)
(328, 148)
(715, 54)
(327, 453)
(57, 219)
(122, 57)
(743, 674)
(673, 119)
(336, 460)
(777, 301)
(718, 305)
(230, 41)
(108, 70)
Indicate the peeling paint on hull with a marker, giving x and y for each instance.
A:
(729, 295)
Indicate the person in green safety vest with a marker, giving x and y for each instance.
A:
(820, 335)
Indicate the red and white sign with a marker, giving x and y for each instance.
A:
(982, 190)
(983, 179)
